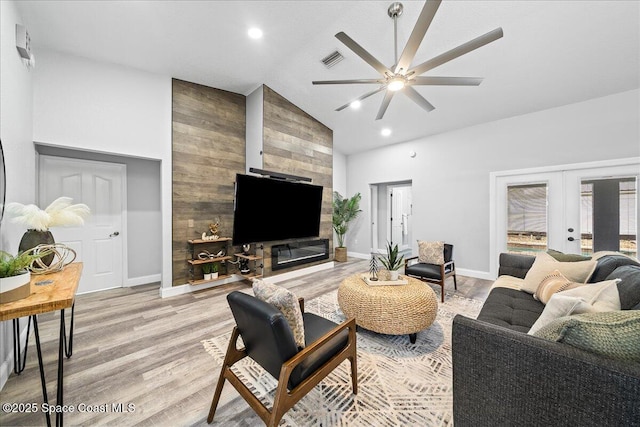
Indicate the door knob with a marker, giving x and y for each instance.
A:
(115, 233)
(571, 239)
(570, 230)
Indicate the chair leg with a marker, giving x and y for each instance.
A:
(231, 357)
(354, 373)
(442, 286)
(455, 284)
(216, 395)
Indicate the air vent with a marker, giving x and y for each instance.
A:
(332, 59)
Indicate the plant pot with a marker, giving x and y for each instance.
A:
(340, 254)
(15, 287)
(214, 276)
(32, 238)
(207, 276)
(394, 274)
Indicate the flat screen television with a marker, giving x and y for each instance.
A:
(267, 209)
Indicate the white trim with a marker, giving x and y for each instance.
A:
(359, 255)
(143, 280)
(185, 289)
(493, 177)
(486, 275)
(7, 366)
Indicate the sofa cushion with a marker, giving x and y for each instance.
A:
(561, 256)
(429, 271)
(607, 262)
(614, 334)
(511, 309)
(553, 283)
(628, 286)
(545, 264)
(591, 298)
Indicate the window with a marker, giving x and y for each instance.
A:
(527, 218)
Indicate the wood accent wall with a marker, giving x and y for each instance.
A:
(208, 149)
(296, 143)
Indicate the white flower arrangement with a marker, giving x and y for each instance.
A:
(59, 213)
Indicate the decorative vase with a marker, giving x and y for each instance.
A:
(393, 274)
(340, 254)
(214, 276)
(33, 238)
(14, 288)
(207, 276)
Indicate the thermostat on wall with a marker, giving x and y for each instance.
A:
(23, 42)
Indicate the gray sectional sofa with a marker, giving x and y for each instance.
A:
(504, 377)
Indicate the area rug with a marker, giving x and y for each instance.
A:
(399, 383)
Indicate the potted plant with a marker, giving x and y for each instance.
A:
(15, 276)
(214, 271)
(345, 210)
(392, 261)
(207, 269)
(59, 213)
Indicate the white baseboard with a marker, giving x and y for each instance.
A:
(475, 273)
(7, 366)
(143, 280)
(185, 289)
(358, 255)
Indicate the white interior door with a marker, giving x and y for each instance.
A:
(100, 242)
(400, 215)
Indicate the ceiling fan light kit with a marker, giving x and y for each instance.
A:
(401, 77)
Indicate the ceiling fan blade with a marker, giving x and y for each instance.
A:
(348, 82)
(458, 51)
(422, 25)
(385, 103)
(366, 95)
(362, 53)
(417, 98)
(446, 81)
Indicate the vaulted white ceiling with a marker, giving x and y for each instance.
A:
(553, 53)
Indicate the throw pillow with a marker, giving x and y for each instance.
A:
(614, 334)
(431, 252)
(555, 282)
(561, 256)
(596, 297)
(285, 301)
(545, 264)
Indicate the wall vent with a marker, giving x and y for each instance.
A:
(332, 59)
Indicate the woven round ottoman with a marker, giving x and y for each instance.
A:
(393, 310)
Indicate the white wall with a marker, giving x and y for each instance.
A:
(450, 173)
(106, 108)
(16, 112)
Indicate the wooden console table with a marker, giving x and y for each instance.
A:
(49, 292)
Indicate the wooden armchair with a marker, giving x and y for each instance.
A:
(269, 341)
(433, 273)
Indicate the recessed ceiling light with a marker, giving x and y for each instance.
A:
(355, 105)
(385, 132)
(255, 33)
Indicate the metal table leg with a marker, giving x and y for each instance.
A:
(18, 365)
(42, 379)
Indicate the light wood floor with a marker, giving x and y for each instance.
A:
(131, 346)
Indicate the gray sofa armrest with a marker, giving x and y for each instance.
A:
(515, 265)
(506, 378)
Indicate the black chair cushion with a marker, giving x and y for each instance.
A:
(314, 328)
(264, 331)
(429, 271)
(511, 309)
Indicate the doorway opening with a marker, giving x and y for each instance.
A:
(391, 216)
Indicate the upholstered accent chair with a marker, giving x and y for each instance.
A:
(433, 273)
(269, 341)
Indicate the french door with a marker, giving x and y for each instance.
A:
(574, 209)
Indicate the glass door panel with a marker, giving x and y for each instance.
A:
(527, 218)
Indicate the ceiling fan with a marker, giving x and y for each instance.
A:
(401, 76)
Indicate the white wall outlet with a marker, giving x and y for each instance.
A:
(190, 223)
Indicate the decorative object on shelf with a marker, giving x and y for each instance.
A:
(246, 249)
(392, 261)
(214, 271)
(344, 211)
(60, 213)
(15, 276)
(213, 229)
(203, 255)
(207, 270)
(373, 268)
(244, 266)
(208, 238)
